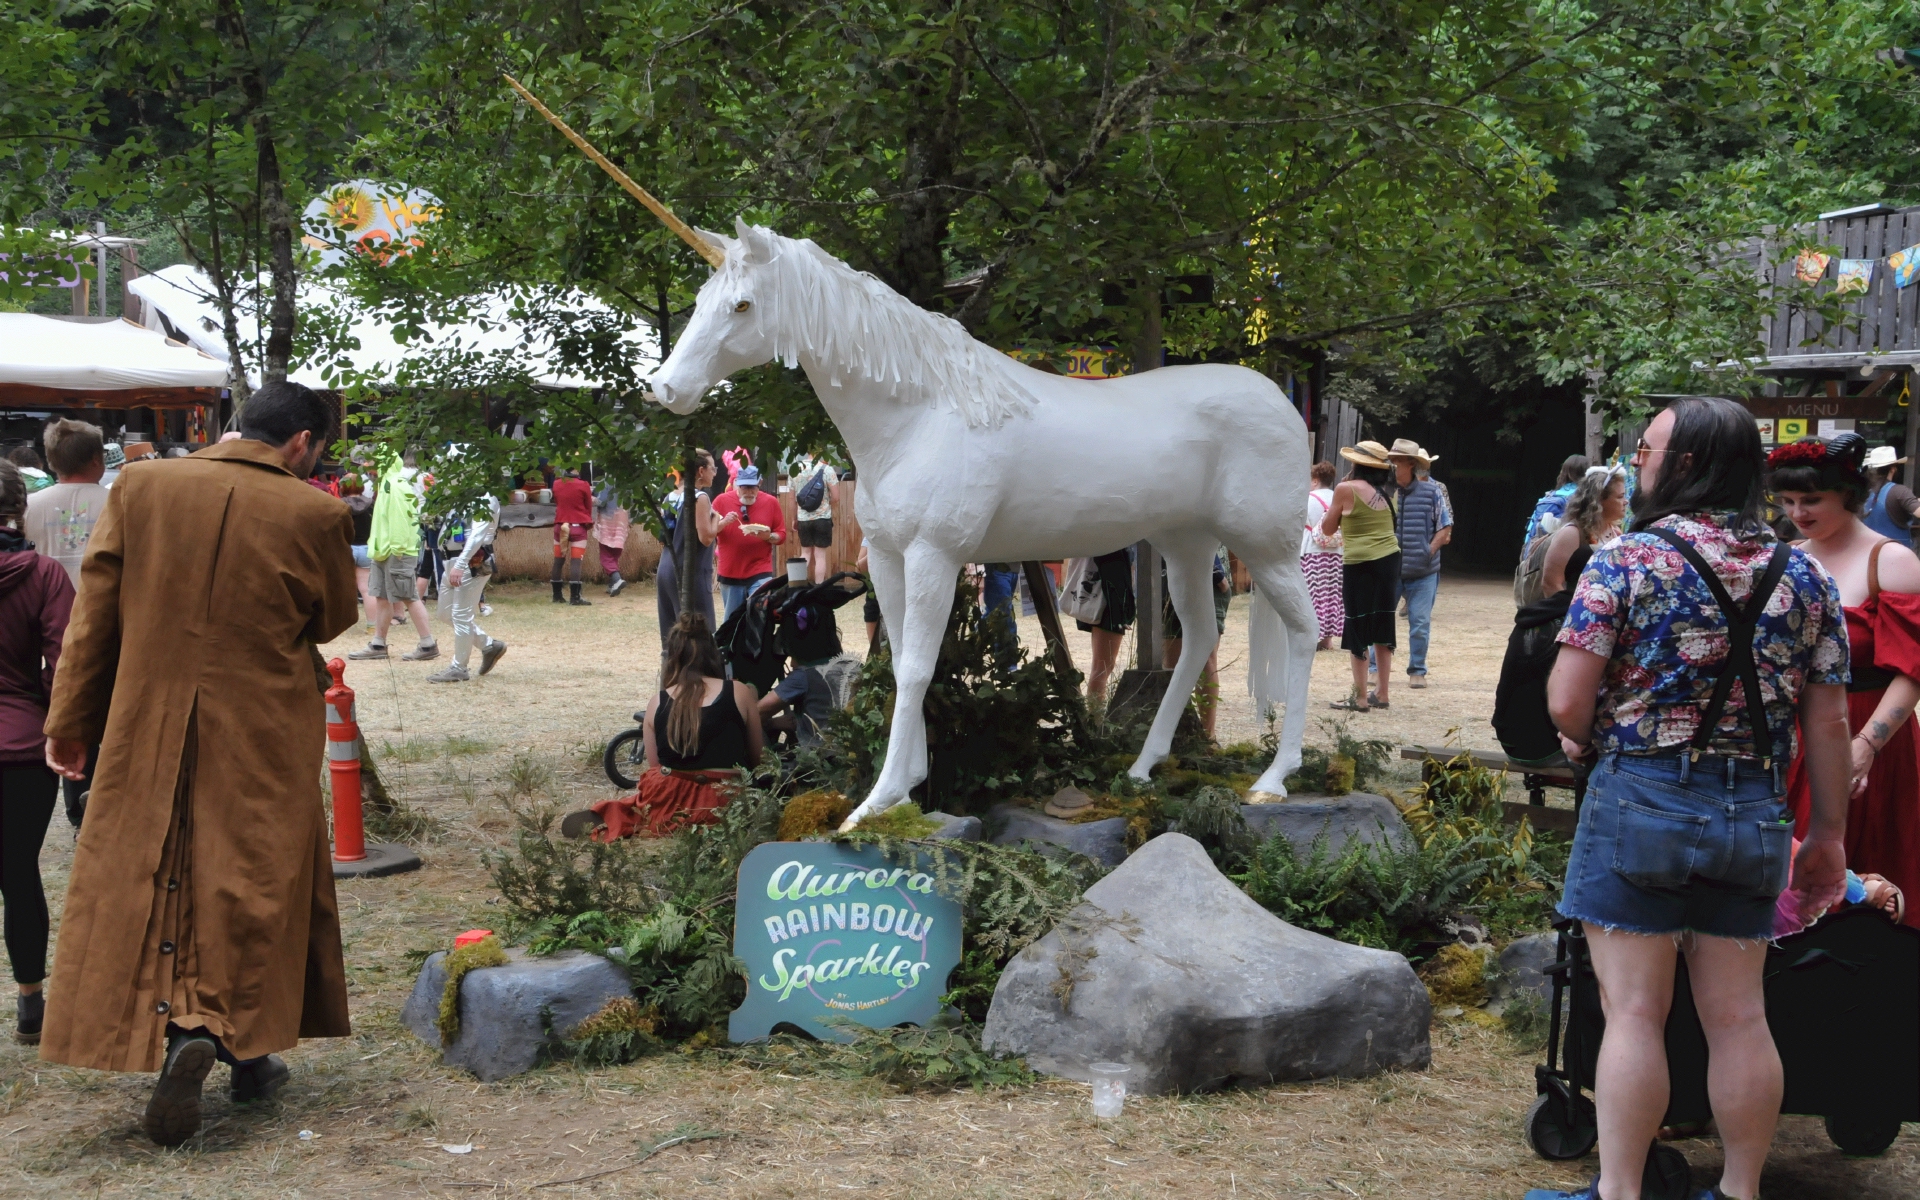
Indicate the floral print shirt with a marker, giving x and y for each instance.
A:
(1641, 607)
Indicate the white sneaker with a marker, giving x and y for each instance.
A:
(451, 673)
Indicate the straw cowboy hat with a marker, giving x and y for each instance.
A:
(1881, 457)
(1407, 448)
(1366, 454)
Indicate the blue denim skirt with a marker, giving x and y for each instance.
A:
(1666, 845)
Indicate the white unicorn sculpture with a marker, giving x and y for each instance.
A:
(965, 455)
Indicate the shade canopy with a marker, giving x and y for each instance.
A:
(100, 362)
(490, 343)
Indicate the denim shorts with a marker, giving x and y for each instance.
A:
(1666, 846)
(362, 559)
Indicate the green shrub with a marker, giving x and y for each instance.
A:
(937, 1058)
(544, 877)
(991, 734)
(1370, 757)
(1009, 898)
(681, 963)
(1212, 817)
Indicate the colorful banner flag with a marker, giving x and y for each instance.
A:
(1855, 275)
(1810, 265)
(1906, 266)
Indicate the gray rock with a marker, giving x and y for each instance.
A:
(1169, 967)
(509, 1014)
(1522, 968)
(958, 829)
(1105, 842)
(1370, 818)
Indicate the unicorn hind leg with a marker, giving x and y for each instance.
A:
(1281, 636)
(1190, 584)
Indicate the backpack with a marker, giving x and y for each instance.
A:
(813, 491)
(1081, 596)
(1520, 719)
(1528, 584)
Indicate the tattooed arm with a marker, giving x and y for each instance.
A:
(1899, 572)
(1895, 709)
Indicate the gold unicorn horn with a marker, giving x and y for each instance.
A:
(687, 233)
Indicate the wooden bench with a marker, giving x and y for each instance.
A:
(1535, 779)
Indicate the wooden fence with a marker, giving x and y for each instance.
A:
(1888, 328)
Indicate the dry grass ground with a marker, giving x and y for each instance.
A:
(380, 1108)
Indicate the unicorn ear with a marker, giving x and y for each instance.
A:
(721, 240)
(757, 240)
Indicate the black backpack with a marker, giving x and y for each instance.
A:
(813, 491)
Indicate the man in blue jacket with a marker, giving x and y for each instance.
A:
(1424, 523)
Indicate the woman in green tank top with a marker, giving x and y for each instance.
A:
(1370, 569)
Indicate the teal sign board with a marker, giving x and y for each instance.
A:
(834, 931)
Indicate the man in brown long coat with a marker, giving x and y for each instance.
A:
(200, 921)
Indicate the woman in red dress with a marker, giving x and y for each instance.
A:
(700, 731)
(1821, 486)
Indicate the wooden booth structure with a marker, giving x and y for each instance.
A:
(1857, 374)
(136, 383)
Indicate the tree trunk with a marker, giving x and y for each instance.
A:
(278, 221)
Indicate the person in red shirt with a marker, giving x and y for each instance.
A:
(572, 522)
(750, 526)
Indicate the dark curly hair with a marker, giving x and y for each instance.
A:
(1822, 465)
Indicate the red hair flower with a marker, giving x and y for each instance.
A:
(1809, 453)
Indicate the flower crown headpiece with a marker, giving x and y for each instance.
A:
(1843, 453)
(1809, 453)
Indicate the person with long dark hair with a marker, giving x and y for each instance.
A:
(693, 534)
(36, 598)
(1370, 570)
(1699, 653)
(700, 730)
(1824, 489)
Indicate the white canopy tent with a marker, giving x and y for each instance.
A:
(186, 299)
(101, 362)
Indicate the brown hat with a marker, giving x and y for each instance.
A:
(1366, 454)
(1408, 448)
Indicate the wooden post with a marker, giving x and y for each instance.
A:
(1147, 633)
(1040, 586)
(129, 271)
(1596, 430)
(1911, 451)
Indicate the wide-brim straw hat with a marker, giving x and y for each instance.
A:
(1366, 454)
(1408, 448)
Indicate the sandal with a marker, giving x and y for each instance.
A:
(1348, 705)
(1374, 700)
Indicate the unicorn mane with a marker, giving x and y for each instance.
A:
(854, 325)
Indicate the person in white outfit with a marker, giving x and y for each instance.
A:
(467, 575)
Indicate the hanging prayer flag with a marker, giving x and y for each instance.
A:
(1810, 265)
(1855, 275)
(1906, 266)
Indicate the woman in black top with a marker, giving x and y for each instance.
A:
(700, 730)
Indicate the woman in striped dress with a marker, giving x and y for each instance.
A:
(1320, 558)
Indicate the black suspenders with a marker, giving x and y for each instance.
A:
(1741, 624)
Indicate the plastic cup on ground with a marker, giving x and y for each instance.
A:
(1109, 1088)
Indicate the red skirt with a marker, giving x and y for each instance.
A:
(667, 802)
(1883, 823)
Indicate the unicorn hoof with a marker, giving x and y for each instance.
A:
(850, 824)
(1259, 797)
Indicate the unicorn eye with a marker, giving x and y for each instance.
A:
(743, 306)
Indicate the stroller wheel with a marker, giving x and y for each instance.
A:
(1863, 1135)
(1558, 1135)
(625, 759)
(1668, 1175)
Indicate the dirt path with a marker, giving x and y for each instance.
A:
(380, 1108)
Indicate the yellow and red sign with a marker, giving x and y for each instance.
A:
(365, 217)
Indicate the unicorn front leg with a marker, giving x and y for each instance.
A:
(915, 628)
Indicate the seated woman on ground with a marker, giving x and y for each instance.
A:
(700, 730)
